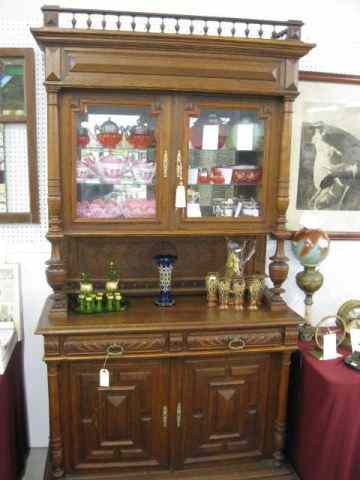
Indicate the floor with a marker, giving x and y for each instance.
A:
(35, 464)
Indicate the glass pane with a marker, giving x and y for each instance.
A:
(14, 171)
(3, 202)
(12, 100)
(116, 164)
(225, 164)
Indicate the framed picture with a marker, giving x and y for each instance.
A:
(10, 300)
(18, 172)
(325, 157)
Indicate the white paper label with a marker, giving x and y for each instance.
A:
(355, 339)
(193, 174)
(244, 136)
(104, 378)
(210, 138)
(193, 210)
(329, 351)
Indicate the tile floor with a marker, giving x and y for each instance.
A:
(36, 464)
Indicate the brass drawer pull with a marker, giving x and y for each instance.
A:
(165, 416)
(115, 350)
(236, 343)
(165, 164)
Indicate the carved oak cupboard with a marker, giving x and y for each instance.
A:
(138, 105)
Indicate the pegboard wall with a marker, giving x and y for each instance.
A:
(16, 167)
(25, 237)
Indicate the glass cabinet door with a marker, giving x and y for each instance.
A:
(117, 163)
(225, 163)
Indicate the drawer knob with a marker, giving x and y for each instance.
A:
(236, 343)
(115, 350)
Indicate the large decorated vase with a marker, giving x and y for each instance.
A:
(165, 264)
(310, 246)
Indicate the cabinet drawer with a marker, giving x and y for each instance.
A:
(234, 339)
(87, 345)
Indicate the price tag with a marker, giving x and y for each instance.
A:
(355, 339)
(210, 138)
(104, 377)
(244, 136)
(329, 351)
(193, 210)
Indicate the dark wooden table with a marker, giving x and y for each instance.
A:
(324, 406)
(14, 444)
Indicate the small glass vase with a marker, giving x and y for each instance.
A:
(165, 264)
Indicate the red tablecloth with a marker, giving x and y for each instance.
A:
(325, 443)
(13, 420)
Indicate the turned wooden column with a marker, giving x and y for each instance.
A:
(56, 272)
(281, 413)
(56, 434)
(278, 267)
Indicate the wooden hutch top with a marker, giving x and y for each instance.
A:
(162, 58)
(157, 51)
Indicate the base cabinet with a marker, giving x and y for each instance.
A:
(164, 414)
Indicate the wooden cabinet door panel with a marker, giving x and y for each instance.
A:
(224, 406)
(217, 166)
(120, 426)
(120, 186)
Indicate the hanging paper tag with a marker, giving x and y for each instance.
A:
(244, 136)
(329, 351)
(104, 378)
(210, 138)
(193, 210)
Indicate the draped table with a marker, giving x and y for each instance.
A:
(14, 444)
(324, 440)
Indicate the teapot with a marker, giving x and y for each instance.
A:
(140, 136)
(82, 136)
(109, 134)
(196, 131)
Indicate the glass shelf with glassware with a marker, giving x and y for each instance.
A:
(116, 163)
(225, 159)
(231, 201)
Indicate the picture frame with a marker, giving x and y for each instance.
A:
(325, 158)
(18, 120)
(10, 297)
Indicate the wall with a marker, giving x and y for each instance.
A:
(333, 25)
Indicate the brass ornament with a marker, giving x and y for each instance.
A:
(224, 293)
(211, 282)
(255, 287)
(324, 324)
(238, 289)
